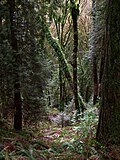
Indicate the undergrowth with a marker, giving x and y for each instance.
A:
(52, 143)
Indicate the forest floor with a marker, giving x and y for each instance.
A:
(50, 142)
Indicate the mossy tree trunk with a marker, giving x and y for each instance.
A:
(60, 20)
(108, 130)
(63, 62)
(61, 57)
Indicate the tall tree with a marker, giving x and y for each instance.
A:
(6, 62)
(74, 13)
(22, 62)
(108, 130)
(95, 41)
(14, 45)
(34, 67)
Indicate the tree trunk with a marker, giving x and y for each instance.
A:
(101, 75)
(61, 76)
(95, 80)
(108, 130)
(62, 60)
(74, 12)
(14, 45)
(94, 54)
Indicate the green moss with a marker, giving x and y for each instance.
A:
(62, 60)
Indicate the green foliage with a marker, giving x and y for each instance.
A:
(80, 138)
(33, 69)
(71, 142)
(86, 131)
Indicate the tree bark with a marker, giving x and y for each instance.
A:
(108, 130)
(94, 55)
(95, 80)
(74, 12)
(62, 60)
(14, 45)
(62, 98)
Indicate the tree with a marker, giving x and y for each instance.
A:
(34, 66)
(59, 13)
(96, 48)
(17, 86)
(22, 60)
(62, 60)
(108, 130)
(75, 13)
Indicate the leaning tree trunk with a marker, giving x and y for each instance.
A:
(108, 130)
(62, 60)
(14, 45)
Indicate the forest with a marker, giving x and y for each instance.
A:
(59, 80)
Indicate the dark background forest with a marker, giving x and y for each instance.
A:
(60, 79)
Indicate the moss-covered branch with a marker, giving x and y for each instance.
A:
(61, 57)
(62, 60)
